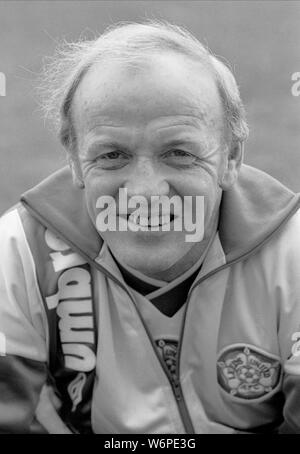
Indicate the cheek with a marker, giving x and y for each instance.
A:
(96, 186)
(199, 184)
(212, 200)
(205, 185)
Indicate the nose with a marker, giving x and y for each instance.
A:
(146, 180)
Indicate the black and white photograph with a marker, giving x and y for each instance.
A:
(149, 219)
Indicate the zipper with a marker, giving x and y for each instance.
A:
(176, 389)
(183, 410)
(173, 380)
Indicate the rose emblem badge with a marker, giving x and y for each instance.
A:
(246, 372)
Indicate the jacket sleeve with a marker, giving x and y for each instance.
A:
(288, 294)
(291, 387)
(23, 332)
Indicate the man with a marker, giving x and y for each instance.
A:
(135, 328)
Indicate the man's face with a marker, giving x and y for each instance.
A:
(154, 129)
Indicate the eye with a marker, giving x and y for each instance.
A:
(112, 160)
(111, 155)
(179, 153)
(179, 157)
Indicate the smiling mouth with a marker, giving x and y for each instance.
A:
(150, 221)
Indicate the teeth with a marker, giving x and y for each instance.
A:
(165, 219)
(160, 220)
(134, 218)
(145, 221)
(154, 221)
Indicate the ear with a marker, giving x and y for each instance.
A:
(76, 170)
(234, 161)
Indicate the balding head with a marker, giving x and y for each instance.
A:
(132, 43)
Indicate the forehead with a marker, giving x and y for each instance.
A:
(159, 90)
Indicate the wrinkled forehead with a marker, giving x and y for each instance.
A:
(146, 89)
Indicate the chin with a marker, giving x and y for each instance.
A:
(150, 260)
(152, 266)
(148, 255)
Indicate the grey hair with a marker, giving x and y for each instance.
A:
(130, 42)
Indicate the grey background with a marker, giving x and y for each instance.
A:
(261, 40)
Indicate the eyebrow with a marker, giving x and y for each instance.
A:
(106, 143)
(178, 142)
(185, 141)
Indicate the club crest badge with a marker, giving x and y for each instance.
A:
(247, 372)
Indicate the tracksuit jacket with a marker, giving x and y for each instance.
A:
(67, 318)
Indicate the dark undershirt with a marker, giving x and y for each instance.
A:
(170, 301)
